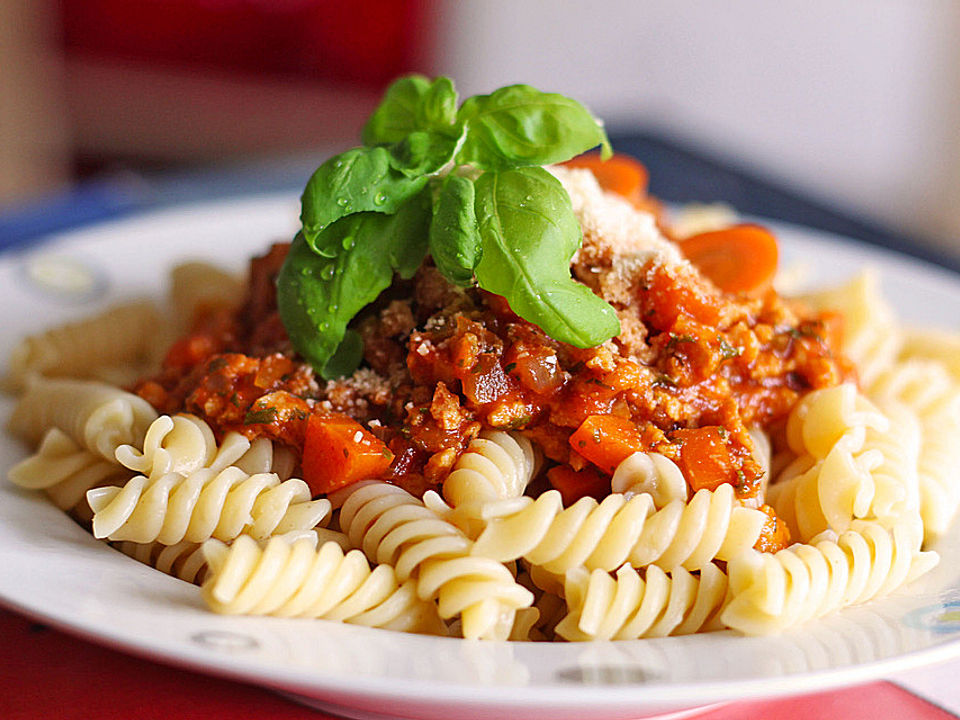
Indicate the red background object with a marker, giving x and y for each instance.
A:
(362, 42)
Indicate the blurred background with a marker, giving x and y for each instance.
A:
(853, 106)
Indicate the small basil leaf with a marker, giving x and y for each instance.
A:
(454, 236)
(529, 233)
(359, 180)
(438, 105)
(399, 113)
(422, 153)
(318, 296)
(410, 104)
(519, 126)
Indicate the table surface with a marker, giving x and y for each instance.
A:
(45, 673)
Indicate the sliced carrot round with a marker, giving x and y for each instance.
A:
(620, 174)
(738, 259)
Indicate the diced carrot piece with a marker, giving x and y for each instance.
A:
(339, 451)
(191, 350)
(606, 440)
(775, 535)
(575, 484)
(738, 259)
(705, 459)
(620, 174)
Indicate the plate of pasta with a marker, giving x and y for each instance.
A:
(414, 463)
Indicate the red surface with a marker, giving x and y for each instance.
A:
(365, 42)
(47, 674)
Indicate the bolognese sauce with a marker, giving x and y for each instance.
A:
(693, 369)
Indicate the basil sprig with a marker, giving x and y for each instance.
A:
(464, 185)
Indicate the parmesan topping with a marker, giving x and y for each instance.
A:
(612, 227)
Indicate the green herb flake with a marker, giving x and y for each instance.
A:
(260, 416)
(664, 380)
(727, 351)
(678, 339)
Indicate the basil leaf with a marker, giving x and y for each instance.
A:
(438, 105)
(454, 236)
(410, 104)
(397, 114)
(410, 233)
(359, 180)
(319, 294)
(346, 358)
(519, 126)
(423, 153)
(529, 233)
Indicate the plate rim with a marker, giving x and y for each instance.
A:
(612, 695)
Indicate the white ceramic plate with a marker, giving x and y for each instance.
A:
(50, 568)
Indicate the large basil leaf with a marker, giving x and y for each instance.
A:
(519, 126)
(410, 104)
(319, 293)
(454, 237)
(359, 180)
(529, 233)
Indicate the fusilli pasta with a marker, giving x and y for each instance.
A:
(869, 472)
(656, 605)
(65, 471)
(930, 391)
(96, 416)
(300, 580)
(121, 337)
(653, 474)
(872, 336)
(184, 443)
(771, 592)
(203, 504)
(392, 527)
(605, 535)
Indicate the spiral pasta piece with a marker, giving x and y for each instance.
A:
(872, 337)
(651, 473)
(495, 465)
(96, 416)
(394, 528)
(940, 346)
(772, 592)
(198, 287)
(121, 336)
(66, 471)
(297, 579)
(203, 504)
(632, 606)
(607, 534)
(825, 417)
(184, 560)
(927, 388)
(183, 443)
(870, 471)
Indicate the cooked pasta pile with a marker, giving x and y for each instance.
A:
(729, 461)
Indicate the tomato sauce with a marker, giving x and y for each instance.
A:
(444, 363)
